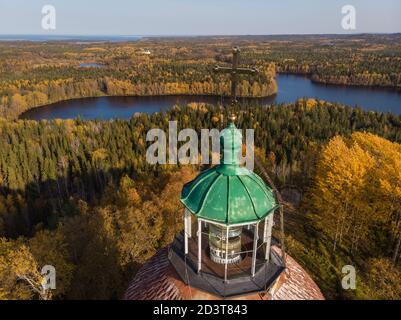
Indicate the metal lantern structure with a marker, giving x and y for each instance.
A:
(225, 248)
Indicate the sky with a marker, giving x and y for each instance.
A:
(198, 17)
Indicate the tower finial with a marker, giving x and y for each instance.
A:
(235, 70)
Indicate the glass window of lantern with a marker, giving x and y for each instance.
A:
(226, 252)
(243, 254)
(260, 249)
(225, 244)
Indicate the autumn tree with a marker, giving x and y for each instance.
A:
(357, 187)
(21, 264)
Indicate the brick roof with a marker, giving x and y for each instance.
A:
(298, 284)
(158, 280)
(153, 281)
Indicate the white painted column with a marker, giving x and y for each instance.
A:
(267, 234)
(225, 266)
(255, 247)
(189, 224)
(185, 236)
(187, 229)
(199, 245)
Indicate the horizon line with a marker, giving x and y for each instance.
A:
(194, 35)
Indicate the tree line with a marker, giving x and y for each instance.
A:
(44, 74)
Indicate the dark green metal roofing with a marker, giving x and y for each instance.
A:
(229, 193)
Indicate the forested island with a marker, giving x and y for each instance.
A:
(34, 74)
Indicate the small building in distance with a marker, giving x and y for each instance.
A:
(145, 52)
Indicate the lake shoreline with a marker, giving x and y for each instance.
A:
(373, 88)
(290, 88)
(20, 116)
(310, 75)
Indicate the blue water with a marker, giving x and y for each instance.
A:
(110, 107)
(291, 87)
(44, 38)
(91, 65)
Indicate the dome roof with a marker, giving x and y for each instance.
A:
(228, 193)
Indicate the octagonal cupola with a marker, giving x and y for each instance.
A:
(229, 193)
(228, 220)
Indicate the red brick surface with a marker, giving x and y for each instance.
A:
(153, 281)
(298, 284)
(157, 280)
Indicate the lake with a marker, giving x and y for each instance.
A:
(291, 87)
(68, 38)
(91, 65)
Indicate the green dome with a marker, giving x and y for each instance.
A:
(228, 193)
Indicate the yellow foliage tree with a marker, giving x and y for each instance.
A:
(21, 263)
(357, 184)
